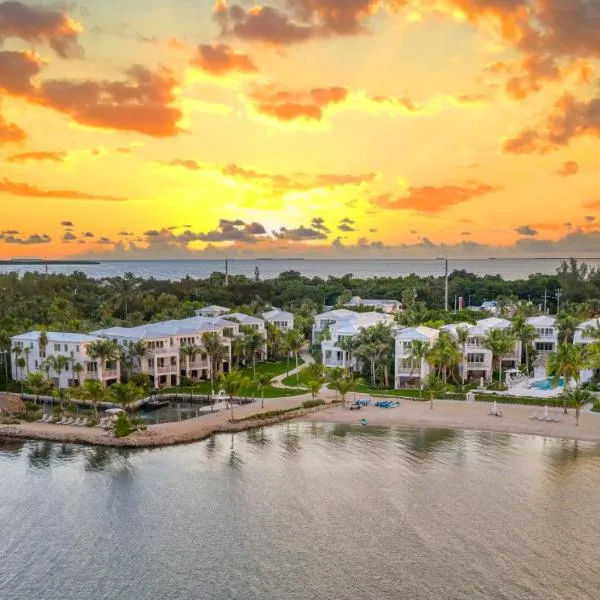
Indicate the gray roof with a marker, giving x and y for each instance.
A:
(277, 313)
(57, 337)
(243, 319)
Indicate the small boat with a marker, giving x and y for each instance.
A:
(155, 403)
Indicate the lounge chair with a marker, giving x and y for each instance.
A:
(70, 421)
(534, 416)
(84, 422)
(61, 421)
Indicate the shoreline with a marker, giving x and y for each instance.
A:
(446, 414)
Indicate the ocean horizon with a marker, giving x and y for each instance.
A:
(269, 268)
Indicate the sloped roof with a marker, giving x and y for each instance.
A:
(57, 337)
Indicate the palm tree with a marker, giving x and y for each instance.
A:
(343, 386)
(369, 351)
(17, 351)
(567, 362)
(123, 290)
(232, 383)
(58, 363)
(105, 351)
(21, 365)
(348, 344)
(125, 394)
(26, 352)
(499, 342)
(254, 342)
(94, 391)
(36, 383)
(434, 385)
(190, 351)
(262, 381)
(137, 350)
(444, 355)
(238, 350)
(577, 398)
(274, 340)
(216, 353)
(462, 337)
(525, 333)
(294, 340)
(77, 369)
(419, 350)
(314, 385)
(43, 342)
(334, 376)
(566, 324)
(5, 350)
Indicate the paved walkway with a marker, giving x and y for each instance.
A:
(277, 382)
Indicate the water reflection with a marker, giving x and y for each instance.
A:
(11, 446)
(257, 436)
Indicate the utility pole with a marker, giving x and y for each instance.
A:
(446, 283)
(226, 272)
(558, 294)
(545, 300)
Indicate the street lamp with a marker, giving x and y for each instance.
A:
(445, 259)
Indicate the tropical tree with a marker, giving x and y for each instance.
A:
(136, 351)
(216, 351)
(274, 340)
(567, 363)
(62, 395)
(190, 351)
(43, 342)
(125, 394)
(26, 352)
(348, 344)
(369, 351)
(577, 398)
(254, 342)
(444, 355)
(434, 385)
(123, 291)
(262, 381)
(232, 384)
(104, 351)
(419, 351)
(499, 342)
(94, 392)
(17, 351)
(77, 369)
(462, 338)
(5, 350)
(36, 383)
(334, 376)
(525, 333)
(294, 341)
(58, 364)
(343, 386)
(314, 385)
(566, 324)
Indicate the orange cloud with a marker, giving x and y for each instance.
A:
(31, 191)
(568, 168)
(37, 24)
(24, 157)
(142, 102)
(431, 199)
(10, 132)
(219, 59)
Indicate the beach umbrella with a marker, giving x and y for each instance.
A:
(495, 407)
(546, 411)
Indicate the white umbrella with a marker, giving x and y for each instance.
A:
(545, 411)
(495, 407)
(114, 411)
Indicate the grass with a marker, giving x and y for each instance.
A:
(526, 400)
(203, 389)
(272, 368)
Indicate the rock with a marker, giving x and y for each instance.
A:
(10, 403)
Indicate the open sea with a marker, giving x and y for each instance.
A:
(513, 268)
(303, 511)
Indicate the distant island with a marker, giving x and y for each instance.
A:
(41, 261)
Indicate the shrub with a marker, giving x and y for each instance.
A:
(528, 401)
(312, 403)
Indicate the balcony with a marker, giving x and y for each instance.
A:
(404, 372)
(200, 364)
(478, 366)
(110, 374)
(162, 351)
(169, 369)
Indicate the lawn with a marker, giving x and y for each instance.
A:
(203, 388)
(272, 368)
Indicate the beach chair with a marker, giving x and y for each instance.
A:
(84, 422)
(61, 421)
(69, 421)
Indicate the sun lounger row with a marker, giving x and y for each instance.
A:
(387, 404)
(79, 422)
(513, 380)
(544, 417)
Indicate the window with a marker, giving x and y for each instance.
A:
(56, 347)
(77, 348)
(66, 348)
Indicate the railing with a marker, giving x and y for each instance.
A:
(480, 366)
(167, 350)
(196, 365)
(110, 374)
(170, 369)
(547, 336)
(416, 372)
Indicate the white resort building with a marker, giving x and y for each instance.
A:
(165, 360)
(331, 327)
(477, 360)
(212, 311)
(408, 370)
(386, 306)
(73, 347)
(583, 333)
(281, 319)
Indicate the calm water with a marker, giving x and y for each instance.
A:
(178, 269)
(303, 511)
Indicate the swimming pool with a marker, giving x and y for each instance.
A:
(546, 384)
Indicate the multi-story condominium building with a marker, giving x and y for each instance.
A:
(165, 360)
(583, 332)
(546, 340)
(74, 347)
(212, 311)
(332, 327)
(279, 318)
(254, 323)
(513, 359)
(407, 368)
(477, 360)
(386, 306)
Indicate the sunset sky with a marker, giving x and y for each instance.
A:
(317, 128)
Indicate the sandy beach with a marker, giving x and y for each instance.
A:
(446, 414)
(449, 414)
